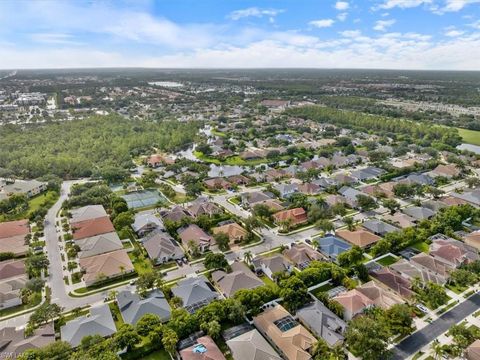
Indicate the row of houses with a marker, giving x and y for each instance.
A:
(101, 252)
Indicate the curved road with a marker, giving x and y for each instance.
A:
(55, 271)
(419, 339)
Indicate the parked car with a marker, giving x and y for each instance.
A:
(422, 308)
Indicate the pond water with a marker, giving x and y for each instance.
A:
(469, 147)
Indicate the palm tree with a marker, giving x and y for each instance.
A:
(437, 349)
(337, 353)
(348, 220)
(248, 257)
(315, 243)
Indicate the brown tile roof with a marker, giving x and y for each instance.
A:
(212, 351)
(294, 343)
(301, 254)
(432, 264)
(14, 244)
(473, 239)
(109, 264)
(9, 269)
(14, 228)
(353, 301)
(358, 237)
(92, 227)
(298, 216)
(473, 351)
(234, 231)
(195, 233)
(241, 277)
(449, 170)
(401, 220)
(396, 282)
(451, 201)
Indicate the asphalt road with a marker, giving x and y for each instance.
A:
(419, 339)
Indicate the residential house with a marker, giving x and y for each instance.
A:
(161, 247)
(473, 351)
(12, 237)
(301, 255)
(332, 200)
(196, 234)
(451, 251)
(367, 295)
(449, 171)
(401, 220)
(310, 188)
(344, 179)
(323, 323)
(287, 336)
(418, 178)
(251, 345)
(249, 199)
(360, 237)
(93, 227)
(379, 227)
(29, 188)
(368, 173)
(202, 206)
(14, 342)
(12, 280)
(176, 214)
(147, 222)
(194, 292)
(204, 348)
(99, 244)
(350, 195)
(270, 265)
(472, 197)
(157, 160)
(239, 180)
(217, 183)
(234, 231)
(473, 239)
(410, 271)
(434, 265)
(418, 213)
(294, 216)
(393, 281)
(99, 322)
(105, 266)
(286, 190)
(379, 190)
(133, 307)
(331, 246)
(88, 212)
(241, 277)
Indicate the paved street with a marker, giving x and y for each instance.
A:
(419, 339)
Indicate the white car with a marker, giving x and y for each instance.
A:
(422, 308)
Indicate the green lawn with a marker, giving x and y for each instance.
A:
(47, 198)
(117, 317)
(157, 355)
(470, 136)
(387, 260)
(268, 281)
(421, 246)
(456, 288)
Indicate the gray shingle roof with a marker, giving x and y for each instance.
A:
(99, 322)
(323, 323)
(99, 244)
(133, 307)
(193, 291)
(162, 247)
(379, 227)
(252, 346)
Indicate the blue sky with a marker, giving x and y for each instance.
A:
(401, 34)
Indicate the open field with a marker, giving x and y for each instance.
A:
(470, 136)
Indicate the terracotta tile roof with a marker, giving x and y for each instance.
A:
(92, 227)
(233, 230)
(14, 244)
(431, 264)
(391, 279)
(358, 237)
(298, 216)
(109, 264)
(295, 343)
(9, 269)
(14, 228)
(208, 350)
(195, 233)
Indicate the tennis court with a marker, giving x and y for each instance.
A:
(144, 198)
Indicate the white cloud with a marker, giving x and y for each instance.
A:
(351, 33)
(457, 5)
(254, 12)
(342, 5)
(342, 16)
(54, 38)
(322, 23)
(476, 25)
(452, 32)
(389, 4)
(383, 25)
